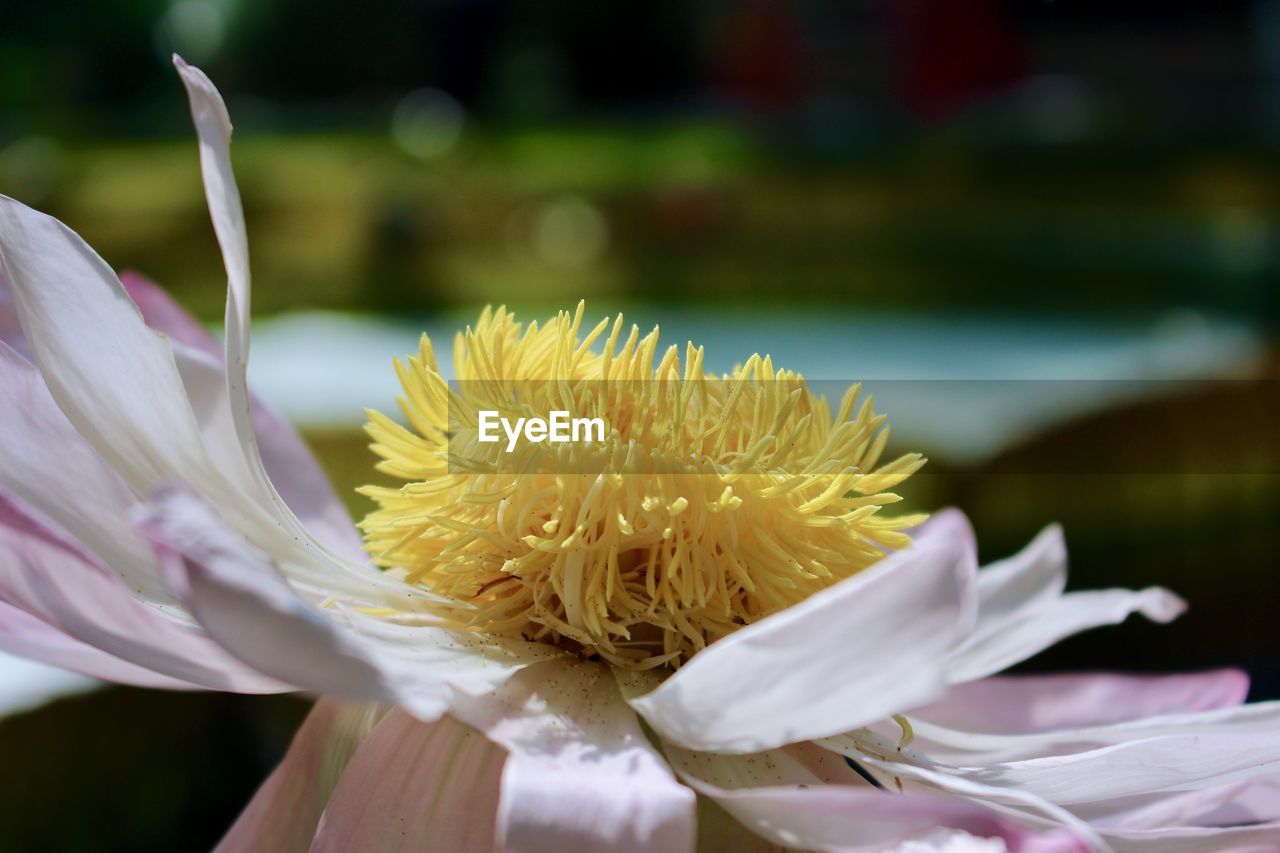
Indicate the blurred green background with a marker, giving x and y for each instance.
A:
(864, 184)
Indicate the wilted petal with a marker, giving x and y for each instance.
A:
(283, 814)
(415, 786)
(581, 774)
(857, 652)
(1037, 703)
(46, 573)
(238, 595)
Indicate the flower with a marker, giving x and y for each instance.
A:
(160, 526)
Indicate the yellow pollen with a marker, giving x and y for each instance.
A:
(711, 503)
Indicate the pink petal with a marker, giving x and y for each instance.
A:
(237, 594)
(415, 786)
(161, 313)
(284, 813)
(866, 648)
(1039, 703)
(581, 774)
(26, 636)
(49, 575)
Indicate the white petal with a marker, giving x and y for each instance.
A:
(117, 382)
(946, 524)
(867, 647)
(1022, 804)
(581, 774)
(778, 798)
(113, 378)
(289, 464)
(10, 328)
(415, 786)
(1171, 762)
(1244, 839)
(48, 464)
(47, 574)
(1164, 810)
(469, 662)
(239, 597)
(1034, 629)
(974, 747)
(26, 636)
(213, 126)
(285, 811)
(1034, 576)
(295, 473)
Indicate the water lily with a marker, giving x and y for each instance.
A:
(757, 654)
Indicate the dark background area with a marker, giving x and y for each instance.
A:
(1094, 162)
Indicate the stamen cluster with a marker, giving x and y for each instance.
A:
(711, 503)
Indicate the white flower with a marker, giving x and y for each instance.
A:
(159, 526)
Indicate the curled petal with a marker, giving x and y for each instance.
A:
(1034, 629)
(866, 648)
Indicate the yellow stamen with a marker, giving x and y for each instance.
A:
(711, 503)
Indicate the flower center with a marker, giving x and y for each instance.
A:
(700, 505)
